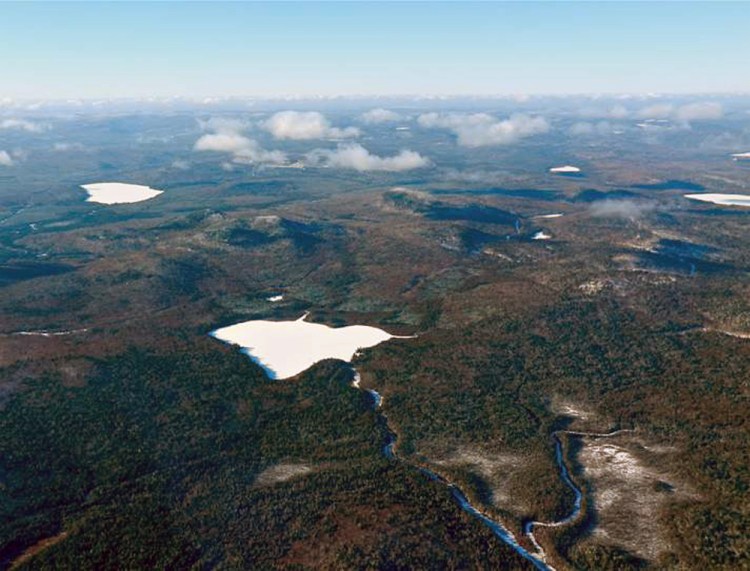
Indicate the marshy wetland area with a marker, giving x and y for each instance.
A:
(386, 346)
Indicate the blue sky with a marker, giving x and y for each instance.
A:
(63, 50)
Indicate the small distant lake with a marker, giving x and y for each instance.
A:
(119, 192)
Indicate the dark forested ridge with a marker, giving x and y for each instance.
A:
(152, 461)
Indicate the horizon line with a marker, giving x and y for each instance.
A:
(207, 99)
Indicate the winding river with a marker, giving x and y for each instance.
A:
(528, 527)
(538, 558)
(503, 533)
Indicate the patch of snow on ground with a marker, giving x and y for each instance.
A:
(275, 298)
(541, 236)
(593, 287)
(569, 409)
(628, 498)
(497, 470)
(280, 473)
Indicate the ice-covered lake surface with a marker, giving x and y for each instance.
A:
(119, 192)
(565, 169)
(286, 348)
(722, 199)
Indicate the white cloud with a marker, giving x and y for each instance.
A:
(658, 111)
(19, 154)
(23, 125)
(181, 165)
(243, 149)
(223, 125)
(222, 142)
(615, 112)
(380, 115)
(254, 154)
(589, 129)
(227, 138)
(355, 156)
(68, 147)
(481, 129)
(478, 176)
(300, 125)
(630, 209)
(5, 159)
(700, 111)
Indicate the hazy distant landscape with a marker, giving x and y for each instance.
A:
(607, 309)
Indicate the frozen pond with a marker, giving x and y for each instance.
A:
(723, 199)
(286, 348)
(567, 169)
(119, 192)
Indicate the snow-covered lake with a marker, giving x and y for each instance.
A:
(567, 169)
(722, 199)
(119, 192)
(286, 348)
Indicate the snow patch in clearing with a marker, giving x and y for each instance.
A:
(569, 409)
(498, 471)
(541, 236)
(281, 473)
(630, 493)
(119, 192)
(275, 298)
(594, 287)
(554, 215)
